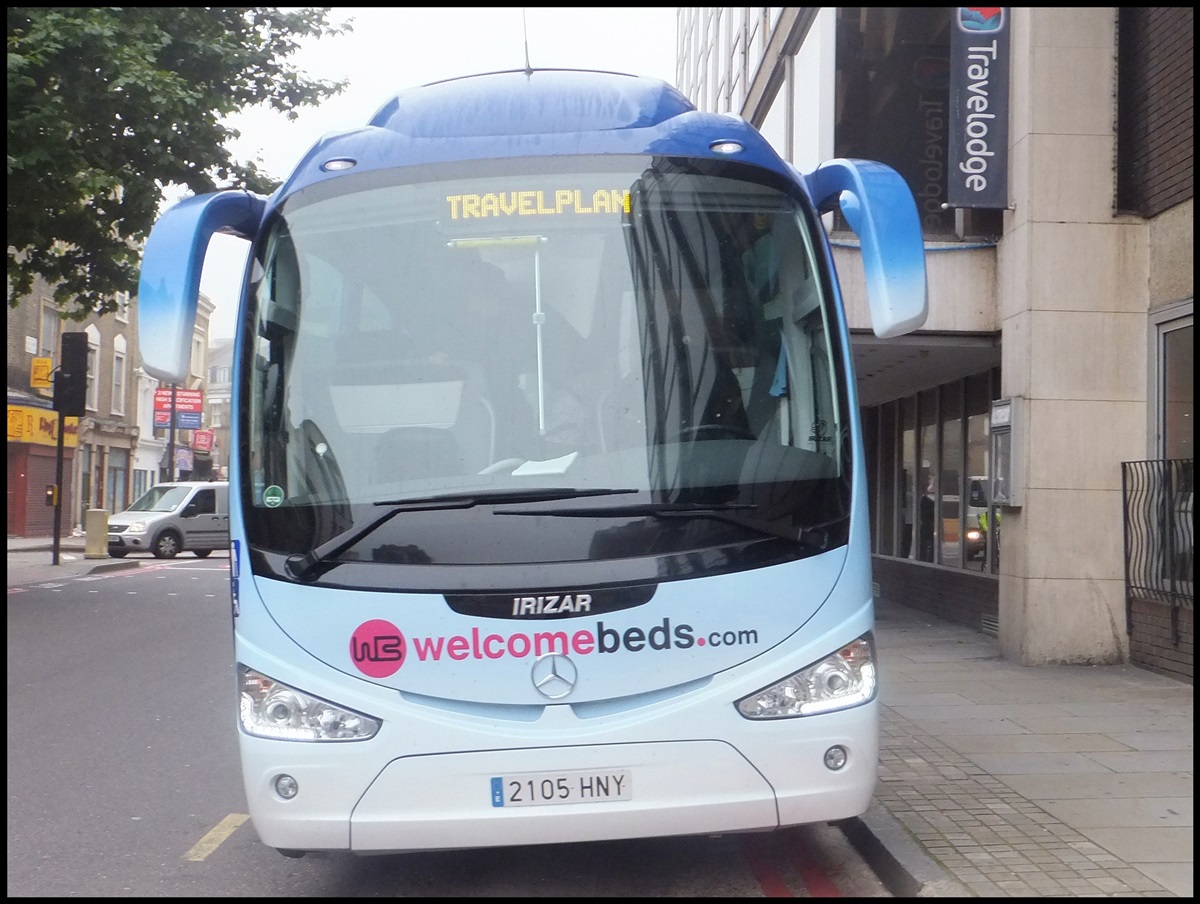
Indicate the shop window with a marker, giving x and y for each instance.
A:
(926, 529)
(909, 474)
(929, 457)
(950, 482)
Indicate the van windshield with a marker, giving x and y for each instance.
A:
(160, 499)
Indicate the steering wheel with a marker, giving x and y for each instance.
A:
(711, 431)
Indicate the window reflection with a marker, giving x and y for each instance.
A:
(933, 448)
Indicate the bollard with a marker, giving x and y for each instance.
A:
(95, 526)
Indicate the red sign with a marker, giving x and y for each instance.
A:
(185, 399)
(202, 440)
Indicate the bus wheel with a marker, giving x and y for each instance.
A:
(288, 852)
(167, 545)
(118, 553)
(201, 553)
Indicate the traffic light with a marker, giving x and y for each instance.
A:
(70, 382)
(51, 494)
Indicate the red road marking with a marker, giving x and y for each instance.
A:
(818, 884)
(761, 864)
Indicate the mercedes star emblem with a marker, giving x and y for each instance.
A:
(554, 675)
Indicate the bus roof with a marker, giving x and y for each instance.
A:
(538, 101)
(526, 113)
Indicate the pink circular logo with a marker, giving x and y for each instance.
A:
(377, 648)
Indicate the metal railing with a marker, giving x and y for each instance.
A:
(1159, 532)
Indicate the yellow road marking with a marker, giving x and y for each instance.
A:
(213, 839)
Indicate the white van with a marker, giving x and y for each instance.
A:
(974, 535)
(172, 517)
(977, 504)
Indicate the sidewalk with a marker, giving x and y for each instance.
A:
(1000, 780)
(995, 780)
(30, 560)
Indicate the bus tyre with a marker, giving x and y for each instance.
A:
(167, 545)
(289, 852)
(201, 553)
(118, 553)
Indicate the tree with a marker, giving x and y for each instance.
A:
(108, 108)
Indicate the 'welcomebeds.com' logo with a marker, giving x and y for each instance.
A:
(379, 649)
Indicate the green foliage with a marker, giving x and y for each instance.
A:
(110, 107)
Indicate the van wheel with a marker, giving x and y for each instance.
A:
(167, 545)
(201, 553)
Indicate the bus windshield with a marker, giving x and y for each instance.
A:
(596, 346)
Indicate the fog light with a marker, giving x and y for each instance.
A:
(287, 787)
(835, 757)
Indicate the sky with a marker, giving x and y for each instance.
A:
(393, 49)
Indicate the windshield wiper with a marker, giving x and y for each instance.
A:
(303, 567)
(815, 536)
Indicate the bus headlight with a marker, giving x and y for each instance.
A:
(841, 680)
(270, 709)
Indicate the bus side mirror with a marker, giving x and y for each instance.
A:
(169, 283)
(879, 206)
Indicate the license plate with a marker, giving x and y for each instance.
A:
(540, 788)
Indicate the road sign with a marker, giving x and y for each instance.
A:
(41, 374)
(184, 420)
(185, 399)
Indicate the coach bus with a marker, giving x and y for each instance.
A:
(548, 505)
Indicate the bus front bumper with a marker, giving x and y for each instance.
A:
(666, 788)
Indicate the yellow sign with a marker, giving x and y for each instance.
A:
(40, 375)
(40, 426)
(537, 203)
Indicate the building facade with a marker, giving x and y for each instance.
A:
(97, 472)
(116, 451)
(218, 407)
(1072, 298)
(34, 331)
